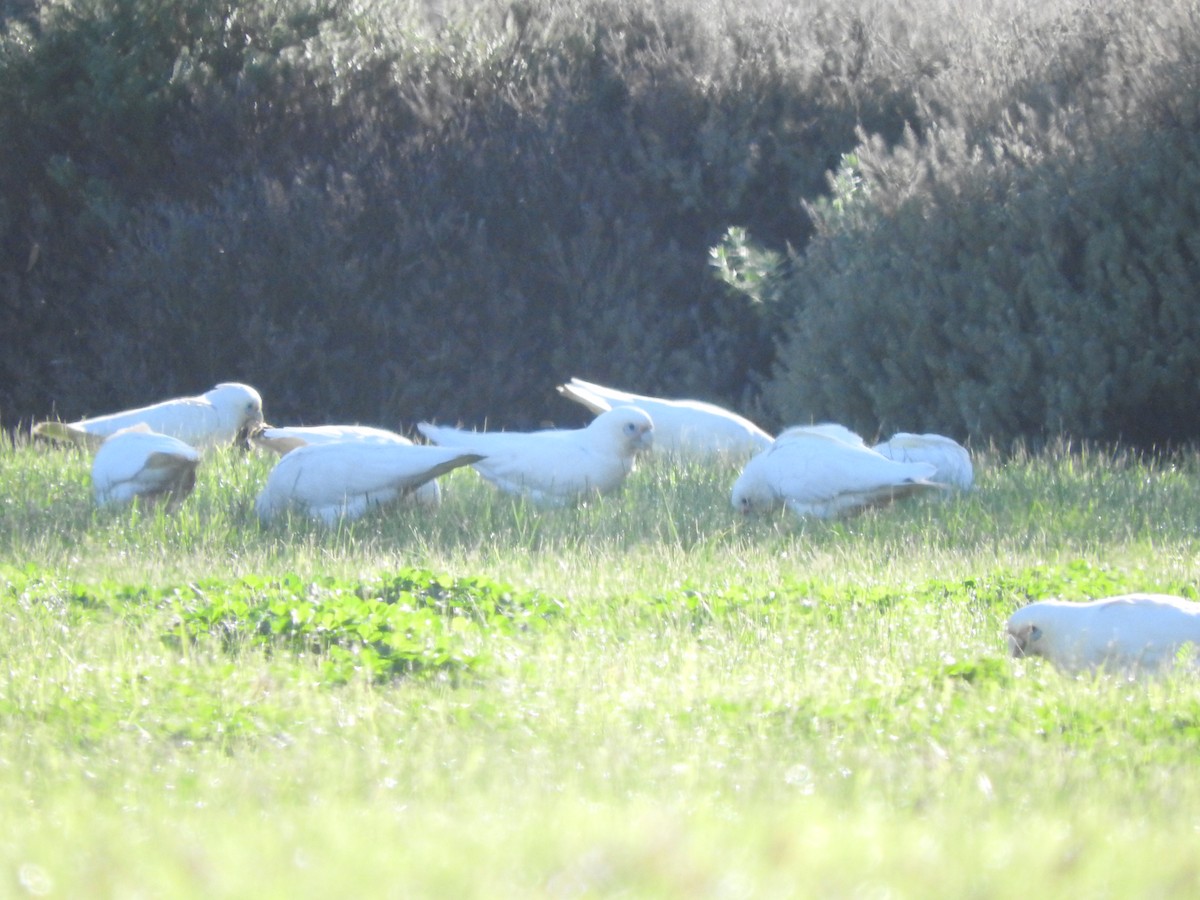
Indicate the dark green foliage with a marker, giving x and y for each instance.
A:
(1027, 274)
(383, 214)
(402, 210)
(106, 106)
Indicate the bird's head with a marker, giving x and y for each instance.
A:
(827, 430)
(632, 428)
(752, 494)
(1033, 630)
(241, 404)
(1023, 639)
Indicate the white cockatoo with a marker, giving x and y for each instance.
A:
(138, 462)
(681, 427)
(283, 440)
(817, 471)
(950, 458)
(1127, 633)
(215, 418)
(829, 429)
(557, 465)
(344, 479)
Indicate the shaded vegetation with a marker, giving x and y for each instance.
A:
(971, 218)
(1025, 268)
(369, 210)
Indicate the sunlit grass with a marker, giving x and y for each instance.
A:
(721, 707)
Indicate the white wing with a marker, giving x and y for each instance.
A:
(828, 429)
(819, 474)
(285, 439)
(492, 442)
(347, 478)
(681, 427)
(215, 418)
(552, 474)
(949, 458)
(137, 462)
(592, 396)
(554, 465)
(186, 418)
(1130, 632)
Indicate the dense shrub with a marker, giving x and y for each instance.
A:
(404, 209)
(107, 105)
(1023, 274)
(397, 211)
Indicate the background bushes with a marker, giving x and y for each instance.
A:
(386, 212)
(393, 210)
(1027, 268)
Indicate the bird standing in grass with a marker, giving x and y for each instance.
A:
(286, 439)
(216, 418)
(950, 458)
(681, 427)
(283, 440)
(137, 462)
(555, 466)
(345, 479)
(830, 429)
(821, 472)
(1126, 633)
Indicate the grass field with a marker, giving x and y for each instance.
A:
(643, 696)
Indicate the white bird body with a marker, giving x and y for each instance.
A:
(137, 462)
(950, 458)
(283, 440)
(213, 419)
(818, 472)
(1130, 632)
(556, 465)
(345, 479)
(681, 427)
(829, 429)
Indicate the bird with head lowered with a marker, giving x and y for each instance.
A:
(346, 479)
(136, 462)
(1126, 633)
(825, 471)
(216, 418)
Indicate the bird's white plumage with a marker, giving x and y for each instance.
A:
(137, 462)
(817, 471)
(681, 427)
(215, 418)
(828, 429)
(950, 458)
(283, 440)
(1127, 633)
(556, 465)
(345, 479)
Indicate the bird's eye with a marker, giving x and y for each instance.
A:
(631, 428)
(1035, 633)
